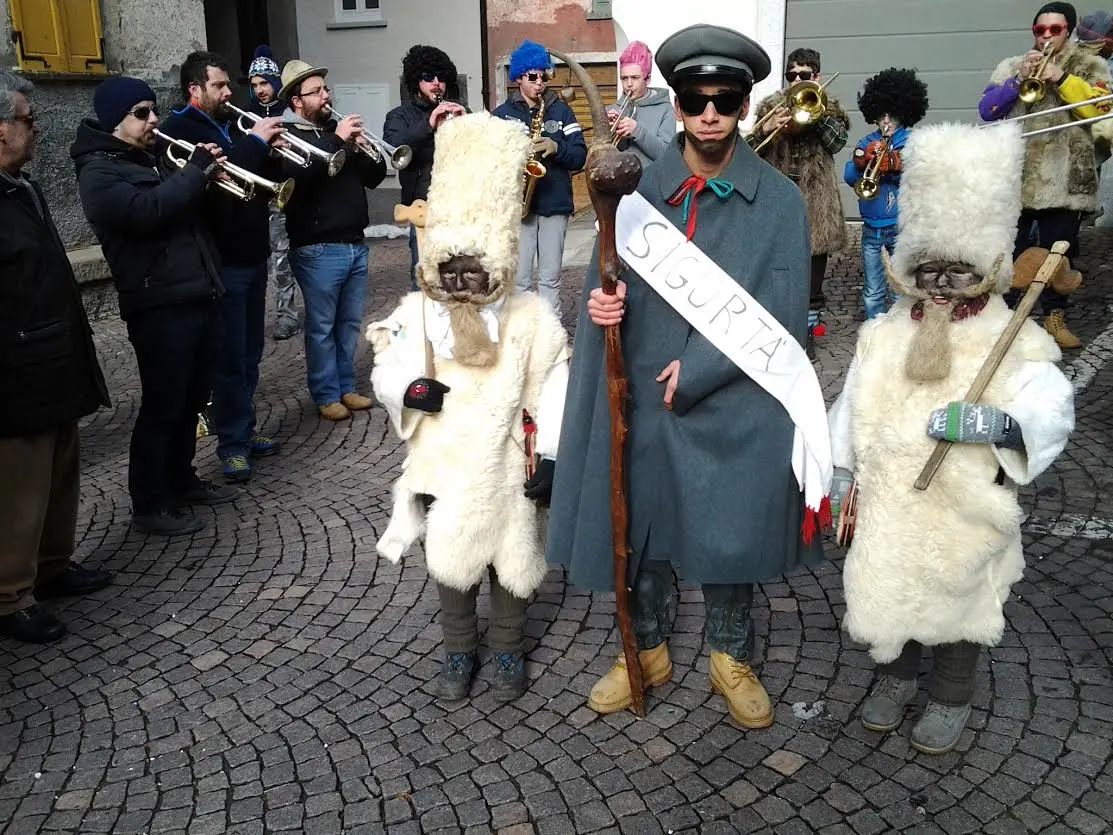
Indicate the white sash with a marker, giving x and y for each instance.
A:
(732, 320)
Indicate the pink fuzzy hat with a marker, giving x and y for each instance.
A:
(637, 53)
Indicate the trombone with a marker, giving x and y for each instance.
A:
(1032, 87)
(242, 183)
(300, 157)
(807, 101)
(377, 147)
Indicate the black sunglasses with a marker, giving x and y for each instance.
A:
(534, 77)
(803, 75)
(430, 77)
(143, 113)
(726, 103)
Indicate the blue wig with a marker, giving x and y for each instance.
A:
(529, 56)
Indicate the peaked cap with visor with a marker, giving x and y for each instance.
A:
(706, 51)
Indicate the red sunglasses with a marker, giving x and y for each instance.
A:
(1054, 29)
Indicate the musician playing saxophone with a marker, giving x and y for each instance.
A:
(894, 100)
(559, 144)
(1060, 181)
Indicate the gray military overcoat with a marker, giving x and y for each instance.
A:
(710, 483)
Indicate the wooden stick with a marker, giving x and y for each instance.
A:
(997, 355)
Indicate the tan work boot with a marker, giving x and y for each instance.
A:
(748, 702)
(1056, 325)
(356, 402)
(612, 692)
(334, 411)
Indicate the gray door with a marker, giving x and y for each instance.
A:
(952, 44)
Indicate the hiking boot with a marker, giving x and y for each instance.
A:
(883, 709)
(509, 681)
(334, 411)
(940, 727)
(612, 692)
(453, 682)
(33, 625)
(264, 445)
(237, 469)
(356, 402)
(746, 697)
(1056, 325)
(166, 523)
(74, 581)
(207, 493)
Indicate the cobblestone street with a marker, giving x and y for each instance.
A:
(269, 674)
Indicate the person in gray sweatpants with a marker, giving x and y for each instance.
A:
(282, 278)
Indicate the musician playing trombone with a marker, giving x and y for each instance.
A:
(643, 121)
(804, 152)
(241, 231)
(1060, 181)
(325, 223)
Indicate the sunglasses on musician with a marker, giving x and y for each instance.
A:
(802, 75)
(1052, 29)
(143, 113)
(534, 77)
(727, 103)
(430, 77)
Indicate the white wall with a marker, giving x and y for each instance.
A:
(652, 21)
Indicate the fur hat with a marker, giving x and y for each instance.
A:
(529, 56)
(959, 199)
(898, 93)
(475, 200)
(421, 59)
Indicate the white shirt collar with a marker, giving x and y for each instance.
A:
(438, 328)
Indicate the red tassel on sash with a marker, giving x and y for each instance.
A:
(814, 521)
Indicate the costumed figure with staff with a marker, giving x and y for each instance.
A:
(932, 559)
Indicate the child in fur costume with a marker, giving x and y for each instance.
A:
(894, 100)
(457, 366)
(934, 567)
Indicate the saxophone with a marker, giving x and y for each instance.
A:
(534, 169)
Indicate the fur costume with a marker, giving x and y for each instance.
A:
(802, 158)
(469, 456)
(936, 566)
(1059, 167)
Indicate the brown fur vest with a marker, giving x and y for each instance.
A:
(1059, 168)
(805, 161)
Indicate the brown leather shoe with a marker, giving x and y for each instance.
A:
(334, 411)
(612, 692)
(746, 697)
(1056, 325)
(356, 402)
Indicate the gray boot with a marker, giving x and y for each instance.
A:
(453, 683)
(883, 710)
(940, 727)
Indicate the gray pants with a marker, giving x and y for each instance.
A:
(460, 623)
(952, 674)
(727, 622)
(543, 242)
(280, 274)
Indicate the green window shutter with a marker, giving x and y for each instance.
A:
(600, 10)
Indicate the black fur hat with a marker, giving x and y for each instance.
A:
(422, 59)
(896, 92)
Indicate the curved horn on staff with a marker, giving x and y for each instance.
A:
(594, 98)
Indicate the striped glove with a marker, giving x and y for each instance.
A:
(971, 423)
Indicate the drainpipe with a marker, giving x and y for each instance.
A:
(484, 56)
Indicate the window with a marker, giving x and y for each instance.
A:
(600, 10)
(58, 36)
(358, 11)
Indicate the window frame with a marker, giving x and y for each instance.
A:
(600, 10)
(357, 15)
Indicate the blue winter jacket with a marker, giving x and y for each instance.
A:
(553, 193)
(882, 210)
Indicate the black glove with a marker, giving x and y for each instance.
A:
(203, 159)
(540, 487)
(425, 394)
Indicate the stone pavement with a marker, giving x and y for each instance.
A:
(268, 675)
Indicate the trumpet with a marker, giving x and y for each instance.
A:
(377, 147)
(242, 183)
(624, 103)
(807, 101)
(300, 157)
(439, 100)
(1032, 88)
(868, 187)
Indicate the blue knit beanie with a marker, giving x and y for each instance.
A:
(529, 56)
(264, 65)
(116, 96)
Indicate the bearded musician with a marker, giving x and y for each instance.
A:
(934, 567)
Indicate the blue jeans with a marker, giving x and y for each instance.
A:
(333, 282)
(876, 296)
(242, 310)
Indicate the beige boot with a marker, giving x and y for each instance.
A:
(1056, 325)
(356, 402)
(748, 702)
(612, 692)
(334, 411)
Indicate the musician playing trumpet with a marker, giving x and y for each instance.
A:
(805, 154)
(1060, 180)
(894, 100)
(644, 121)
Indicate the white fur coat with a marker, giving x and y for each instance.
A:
(470, 456)
(936, 566)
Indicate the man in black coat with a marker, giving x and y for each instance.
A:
(433, 91)
(49, 379)
(241, 230)
(168, 281)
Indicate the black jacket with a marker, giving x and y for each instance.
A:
(241, 229)
(148, 223)
(275, 108)
(324, 209)
(408, 124)
(49, 374)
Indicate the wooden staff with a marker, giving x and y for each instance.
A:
(1050, 268)
(612, 174)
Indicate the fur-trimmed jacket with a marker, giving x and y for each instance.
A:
(804, 159)
(1059, 168)
(470, 456)
(936, 566)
